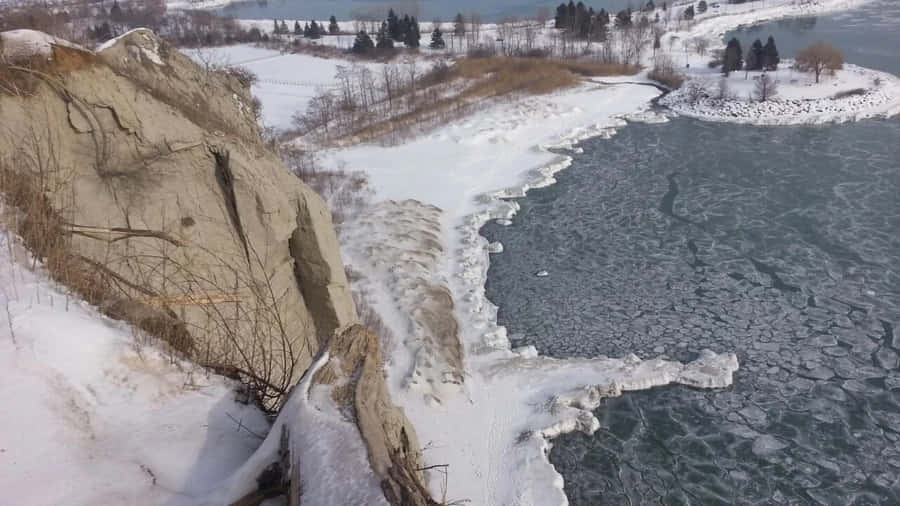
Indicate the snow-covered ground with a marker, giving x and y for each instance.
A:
(286, 81)
(424, 265)
(436, 191)
(92, 413)
(851, 94)
(799, 99)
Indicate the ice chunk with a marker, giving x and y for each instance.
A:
(767, 445)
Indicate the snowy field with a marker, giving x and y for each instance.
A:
(286, 81)
(93, 414)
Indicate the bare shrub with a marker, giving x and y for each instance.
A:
(664, 72)
(765, 87)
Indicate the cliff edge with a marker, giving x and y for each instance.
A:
(141, 181)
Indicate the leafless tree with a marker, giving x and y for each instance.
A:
(765, 87)
(819, 57)
(701, 44)
(723, 92)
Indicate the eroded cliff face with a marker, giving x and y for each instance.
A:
(156, 168)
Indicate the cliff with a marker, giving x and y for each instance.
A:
(141, 180)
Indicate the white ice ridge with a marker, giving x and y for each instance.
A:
(332, 459)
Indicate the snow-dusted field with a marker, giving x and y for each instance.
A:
(91, 414)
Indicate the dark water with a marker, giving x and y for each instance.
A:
(781, 244)
(869, 36)
(492, 11)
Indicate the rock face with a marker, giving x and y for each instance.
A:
(156, 167)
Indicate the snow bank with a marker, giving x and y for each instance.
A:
(24, 44)
(95, 414)
(149, 46)
(334, 465)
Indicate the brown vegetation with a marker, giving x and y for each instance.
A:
(819, 57)
(664, 72)
(401, 99)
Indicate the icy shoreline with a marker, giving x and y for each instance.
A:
(855, 97)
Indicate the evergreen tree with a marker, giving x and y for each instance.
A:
(404, 28)
(649, 7)
(688, 13)
(315, 30)
(733, 56)
(656, 44)
(770, 55)
(665, 7)
(571, 13)
(115, 12)
(297, 29)
(284, 28)
(437, 39)
(393, 25)
(333, 27)
(384, 37)
(277, 28)
(459, 25)
(603, 18)
(701, 6)
(363, 43)
(412, 34)
(306, 29)
(755, 56)
(623, 18)
(561, 20)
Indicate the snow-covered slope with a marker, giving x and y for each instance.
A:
(91, 412)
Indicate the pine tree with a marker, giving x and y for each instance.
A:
(284, 28)
(393, 25)
(603, 18)
(276, 29)
(384, 37)
(459, 25)
(755, 56)
(306, 29)
(115, 12)
(623, 18)
(770, 55)
(412, 34)
(333, 27)
(701, 6)
(560, 21)
(315, 30)
(733, 56)
(688, 13)
(297, 29)
(437, 39)
(363, 43)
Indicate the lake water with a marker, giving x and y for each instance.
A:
(492, 11)
(779, 243)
